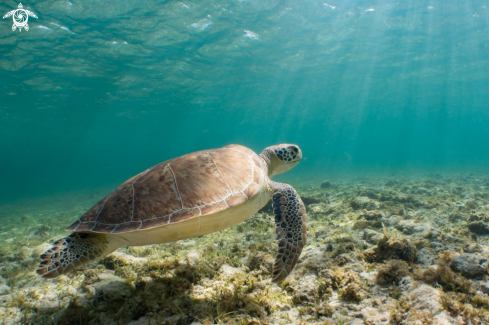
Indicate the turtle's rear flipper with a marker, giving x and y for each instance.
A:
(72, 251)
(290, 229)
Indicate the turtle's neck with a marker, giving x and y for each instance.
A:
(267, 155)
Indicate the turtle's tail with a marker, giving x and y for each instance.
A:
(76, 249)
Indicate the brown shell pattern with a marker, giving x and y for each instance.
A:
(185, 187)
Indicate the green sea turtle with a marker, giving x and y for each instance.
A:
(188, 196)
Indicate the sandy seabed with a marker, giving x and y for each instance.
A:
(383, 250)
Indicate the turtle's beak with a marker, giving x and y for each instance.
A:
(299, 155)
(296, 154)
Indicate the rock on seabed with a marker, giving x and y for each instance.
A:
(470, 265)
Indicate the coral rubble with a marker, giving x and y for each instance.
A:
(395, 250)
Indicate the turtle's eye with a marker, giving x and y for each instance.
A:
(293, 153)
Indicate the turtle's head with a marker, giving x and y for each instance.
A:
(281, 158)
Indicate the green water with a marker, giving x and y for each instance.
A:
(97, 91)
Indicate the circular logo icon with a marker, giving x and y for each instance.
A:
(20, 17)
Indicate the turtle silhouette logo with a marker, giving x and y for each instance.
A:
(20, 17)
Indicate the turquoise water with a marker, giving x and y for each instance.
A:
(97, 91)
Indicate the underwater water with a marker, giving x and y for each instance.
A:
(98, 91)
(388, 101)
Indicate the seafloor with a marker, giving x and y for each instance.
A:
(381, 250)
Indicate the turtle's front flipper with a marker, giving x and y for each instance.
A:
(290, 229)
